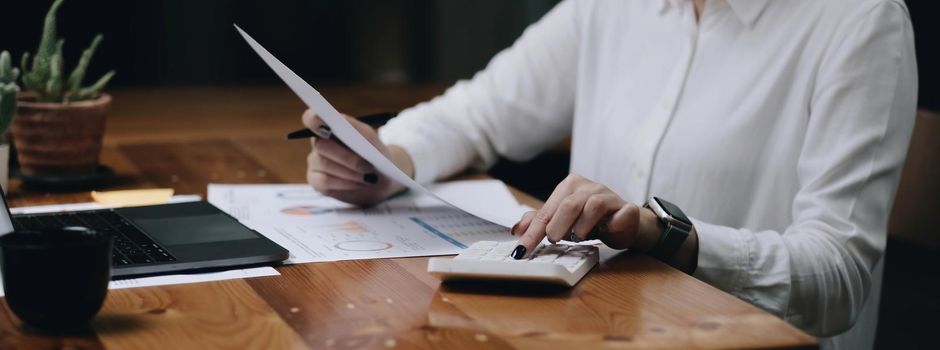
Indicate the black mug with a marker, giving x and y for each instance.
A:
(56, 279)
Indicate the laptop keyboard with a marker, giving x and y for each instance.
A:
(131, 245)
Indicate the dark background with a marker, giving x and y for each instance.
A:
(184, 42)
(177, 42)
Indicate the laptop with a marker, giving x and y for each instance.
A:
(163, 238)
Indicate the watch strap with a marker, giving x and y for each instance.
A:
(678, 228)
(669, 242)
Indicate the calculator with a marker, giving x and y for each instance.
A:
(563, 264)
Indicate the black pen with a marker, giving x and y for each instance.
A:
(324, 132)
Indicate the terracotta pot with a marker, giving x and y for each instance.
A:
(57, 138)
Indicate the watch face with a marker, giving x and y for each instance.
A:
(672, 210)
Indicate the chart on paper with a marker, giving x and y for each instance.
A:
(318, 228)
(424, 232)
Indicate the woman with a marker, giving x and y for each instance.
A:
(778, 127)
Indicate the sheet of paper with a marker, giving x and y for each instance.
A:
(89, 205)
(167, 280)
(186, 278)
(357, 143)
(314, 227)
(247, 202)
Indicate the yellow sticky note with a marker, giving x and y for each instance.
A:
(130, 198)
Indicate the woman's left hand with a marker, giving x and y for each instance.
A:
(581, 209)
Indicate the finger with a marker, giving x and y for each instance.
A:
(520, 227)
(568, 211)
(343, 156)
(621, 229)
(533, 234)
(328, 166)
(310, 119)
(324, 182)
(625, 219)
(596, 208)
(536, 230)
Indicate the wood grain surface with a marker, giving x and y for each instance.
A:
(187, 138)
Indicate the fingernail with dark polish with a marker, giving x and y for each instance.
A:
(370, 178)
(518, 253)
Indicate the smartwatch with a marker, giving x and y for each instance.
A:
(678, 228)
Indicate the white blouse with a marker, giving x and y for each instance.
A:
(780, 127)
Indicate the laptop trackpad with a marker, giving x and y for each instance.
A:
(195, 229)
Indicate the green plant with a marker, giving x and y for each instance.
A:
(46, 77)
(8, 90)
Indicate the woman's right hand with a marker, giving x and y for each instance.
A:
(338, 172)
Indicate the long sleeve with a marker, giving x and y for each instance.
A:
(817, 273)
(782, 126)
(518, 106)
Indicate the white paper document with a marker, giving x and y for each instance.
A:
(52, 208)
(185, 278)
(193, 278)
(315, 228)
(342, 129)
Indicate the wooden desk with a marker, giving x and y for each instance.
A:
(187, 138)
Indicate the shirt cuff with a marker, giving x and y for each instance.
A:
(397, 133)
(722, 256)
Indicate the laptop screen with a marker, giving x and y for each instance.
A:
(6, 224)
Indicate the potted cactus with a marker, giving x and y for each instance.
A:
(59, 123)
(8, 90)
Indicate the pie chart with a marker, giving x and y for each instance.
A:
(362, 246)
